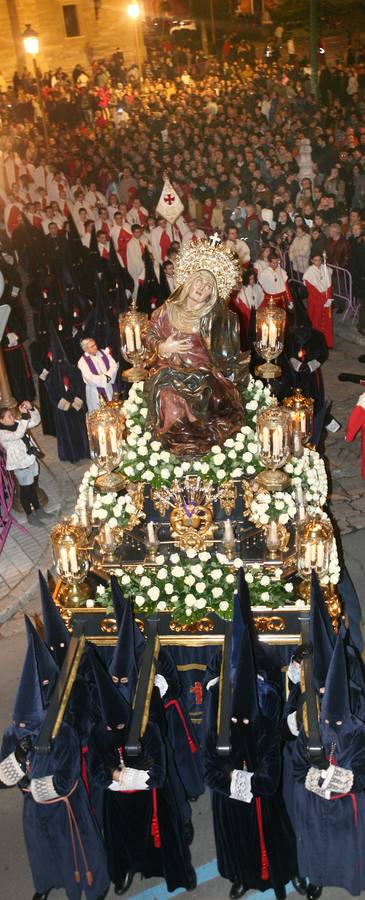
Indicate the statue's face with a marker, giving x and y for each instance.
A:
(200, 290)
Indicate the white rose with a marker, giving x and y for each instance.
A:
(191, 554)
(165, 473)
(283, 518)
(230, 578)
(162, 574)
(204, 556)
(165, 456)
(147, 476)
(196, 570)
(142, 450)
(229, 443)
(89, 603)
(219, 459)
(221, 474)
(175, 558)
(154, 459)
(161, 605)
(204, 468)
(140, 600)
(264, 519)
(223, 606)
(160, 559)
(216, 574)
(200, 587)
(250, 470)
(189, 580)
(252, 447)
(190, 600)
(145, 581)
(139, 570)
(216, 449)
(265, 580)
(102, 514)
(168, 588)
(265, 596)
(247, 457)
(249, 577)
(217, 592)
(177, 572)
(140, 466)
(125, 579)
(185, 466)
(300, 604)
(232, 454)
(237, 473)
(221, 558)
(100, 589)
(156, 445)
(154, 593)
(288, 587)
(178, 472)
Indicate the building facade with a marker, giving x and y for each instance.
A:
(69, 33)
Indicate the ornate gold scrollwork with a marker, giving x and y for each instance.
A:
(227, 497)
(203, 626)
(269, 623)
(108, 626)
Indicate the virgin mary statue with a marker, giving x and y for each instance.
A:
(198, 371)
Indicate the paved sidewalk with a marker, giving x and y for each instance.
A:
(23, 554)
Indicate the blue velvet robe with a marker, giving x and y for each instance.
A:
(128, 816)
(46, 827)
(331, 833)
(236, 824)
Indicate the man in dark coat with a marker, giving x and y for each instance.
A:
(254, 839)
(64, 845)
(356, 264)
(142, 825)
(306, 350)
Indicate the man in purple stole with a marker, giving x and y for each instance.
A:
(99, 371)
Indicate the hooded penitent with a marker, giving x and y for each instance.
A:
(56, 635)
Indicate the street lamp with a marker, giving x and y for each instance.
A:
(31, 46)
(134, 13)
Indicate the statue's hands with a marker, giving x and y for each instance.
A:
(171, 346)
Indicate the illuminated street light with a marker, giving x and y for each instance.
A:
(134, 13)
(133, 10)
(31, 41)
(31, 46)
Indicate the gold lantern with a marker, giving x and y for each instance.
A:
(106, 542)
(132, 328)
(105, 428)
(270, 325)
(301, 411)
(71, 561)
(314, 542)
(274, 430)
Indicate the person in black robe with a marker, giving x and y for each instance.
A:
(16, 359)
(66, 392)
(254, 839)
(64, 844)
(41, 357)
(330, 801)
(142, 825)
(149, 294)
(306, 350)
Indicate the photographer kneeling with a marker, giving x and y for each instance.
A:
(22, 452)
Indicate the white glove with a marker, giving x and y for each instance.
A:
(10, 770)
(313, 365)
(361, 401)
(42, 789)
(212, 682)
(328, 302)
(296, 363)
(324, 782)
(44, 374)
(161, 684)
(241, 785)
(294, 671)
(12, 338)
(77, 403)
(63, 404)
(292, 723)
(131, 780)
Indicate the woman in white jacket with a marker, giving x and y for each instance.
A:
(21, 451)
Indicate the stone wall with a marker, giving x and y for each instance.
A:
(97, 37)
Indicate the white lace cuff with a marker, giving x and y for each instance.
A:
(77, 403)
(294, 671)
(10, 770)
(44, 374)
(63, 404)
(42, 789)
(337, 780)
(241, 785)
(313, 365)
(292, 723)
(133, 779)
(161, 684)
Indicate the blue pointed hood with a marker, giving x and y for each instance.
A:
(115, 710)
(123, 664)
(336, 701)
(322, 634)
(28, 711)
(48, 671)
(56, 635)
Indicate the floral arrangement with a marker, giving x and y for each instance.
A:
(309, 474)
(146, 460)
(191, 586)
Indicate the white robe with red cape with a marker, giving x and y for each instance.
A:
(318, 284)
